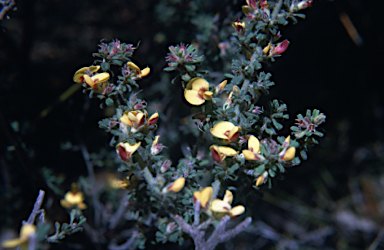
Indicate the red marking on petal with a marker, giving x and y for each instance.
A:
(123, 154)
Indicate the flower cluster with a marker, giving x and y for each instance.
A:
(138, 120)
(216, 207)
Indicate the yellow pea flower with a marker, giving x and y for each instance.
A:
(223, 207)
(73, 198)
(95, 80)
(125, 150)
(26, 231)
(78, 76)
(225, 130)
(175, 186)
(197, 91)
(253, 151)
(140, 73)
(203, 196)
(219, 153)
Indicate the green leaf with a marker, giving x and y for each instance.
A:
(277, 125)
(186, 78)
(270, 131)
(109, 101)
(169, 69)
(104, 66)
(117, 62)
(303, 154)
(234, 167)
(189, 67)
(259, 170)
(237, 80)
(271, 173)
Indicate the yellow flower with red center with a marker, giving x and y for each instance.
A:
(253, 151)
(26, 231)
(175, 186)
(125, 150)
(96, 80)
(140, 73)
(223, 207)
(78, 76)
(203, 196)
(137, 119)
(219, 153)
(73, 199)
(239, 26)
(197, 91)
(225, 130)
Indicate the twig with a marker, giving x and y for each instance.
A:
(377, 240)
(7, 5)
(36, 209)
(97, 206)
(119, 213)
(126, 245)
(222, 236)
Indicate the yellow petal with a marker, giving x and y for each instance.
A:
(220, 206)
(88, 80)
(198, 83)
(177, 185)
(132, 115)
(192, 96)
(266, 49)
(234, 134)
(125, 119)
(131, 147)
(134, 67)
(236, 211)
(228, 197)
(156, 140)
(208, 95)
(245, 9)
(290, 154)
(249, 155)
(145, 72)
(26, 230)
(203, 196)
(83, 70)
(227, 151)
(65, 204)
(221, 86)
(82, 206)
(221, 128)
(94, 69)
(288, 140)
(254, 144)
(77, 77)
(12, 243)
(260, 180)
(74, 198)
(102, 77)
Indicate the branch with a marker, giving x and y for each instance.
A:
(36, 209)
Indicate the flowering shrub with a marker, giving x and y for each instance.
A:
(241, 131)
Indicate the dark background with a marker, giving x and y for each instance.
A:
(45, 42)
